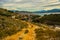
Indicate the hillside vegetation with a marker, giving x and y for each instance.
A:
(31, 27)
(51, 19)
(47, 33)
(9, 25)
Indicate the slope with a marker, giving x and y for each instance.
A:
(29, 35)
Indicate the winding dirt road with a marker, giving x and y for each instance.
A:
(24, 36)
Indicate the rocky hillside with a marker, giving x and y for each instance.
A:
(47, 33)
(8, 24)
(15, 26)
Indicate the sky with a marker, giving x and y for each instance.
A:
(30, 5)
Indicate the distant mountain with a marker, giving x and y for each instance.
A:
(48, 11)
(41, 11)
(16, 11)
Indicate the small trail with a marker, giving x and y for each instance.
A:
(22, 36)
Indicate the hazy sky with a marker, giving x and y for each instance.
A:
(29, 5)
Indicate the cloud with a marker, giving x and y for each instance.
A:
(53, 4)
(31, 5)
(18, 5)
(17, 0)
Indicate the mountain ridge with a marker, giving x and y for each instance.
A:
(48, 11)
(41, 11)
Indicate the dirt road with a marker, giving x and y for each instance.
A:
(29, 35)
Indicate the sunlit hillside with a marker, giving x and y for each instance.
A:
(8, 24)
(15, 26)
